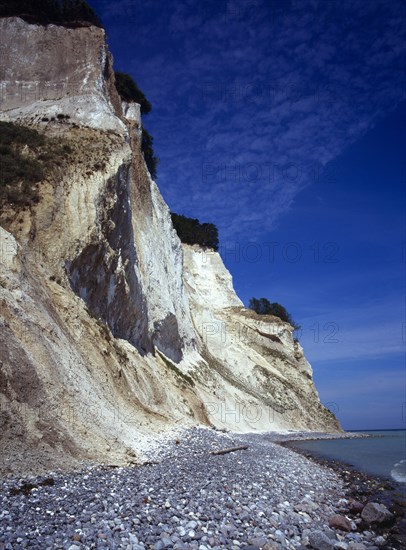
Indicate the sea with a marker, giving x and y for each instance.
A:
(383, 453)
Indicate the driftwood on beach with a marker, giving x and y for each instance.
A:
(230, 450)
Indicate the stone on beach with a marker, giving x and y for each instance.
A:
(355, 506)
(320, 541)
(376, 513)
(337, 521)
(356, 546)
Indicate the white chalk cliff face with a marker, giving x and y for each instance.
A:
(254, 376)
(112, 331)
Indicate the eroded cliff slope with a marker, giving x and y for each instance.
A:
(111, 331)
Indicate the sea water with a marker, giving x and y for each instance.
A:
(384, 453)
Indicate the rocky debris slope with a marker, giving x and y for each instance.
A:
(266, 497)
(111, 331)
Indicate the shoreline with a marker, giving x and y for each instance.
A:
(314, 436)
(362, 486)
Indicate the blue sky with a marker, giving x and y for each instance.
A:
(283, 122)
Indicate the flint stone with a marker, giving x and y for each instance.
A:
(380, 541)
(258, 541)
(306, 505)
(320, 541)
(337, 521)
(376, 513)
(355, 506)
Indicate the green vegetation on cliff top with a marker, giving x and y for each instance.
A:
(58, 12)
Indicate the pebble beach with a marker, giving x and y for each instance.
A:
(266, 496)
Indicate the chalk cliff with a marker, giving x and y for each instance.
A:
(112, 331)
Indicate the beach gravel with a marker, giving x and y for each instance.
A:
(264, 497)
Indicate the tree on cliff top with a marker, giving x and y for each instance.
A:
(149, 156)
(263, 306)
(59, 12)
(191, 231)
(129, 91)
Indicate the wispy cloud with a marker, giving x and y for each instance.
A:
(251, 99)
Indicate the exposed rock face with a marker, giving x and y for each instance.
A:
(111, 330)
(50, 70)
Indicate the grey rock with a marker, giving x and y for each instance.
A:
(258, 541)
(320, 541)
(342, 503)
(307, 507)
(380, 541)
(337, 521)
(355, 506)
(374, 512)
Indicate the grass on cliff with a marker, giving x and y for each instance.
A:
(26, 158)
(184, 379)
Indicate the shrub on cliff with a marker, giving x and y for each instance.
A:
(147, 148)
(26, 158)
(263, 306)
(59, 12)
(79, 10)
(11, 133)
(129, 91)
(14, 167)
(191, 231)
(18, 172)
